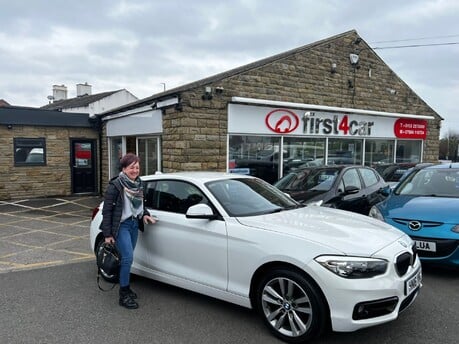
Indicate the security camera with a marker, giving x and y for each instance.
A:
(219, 90)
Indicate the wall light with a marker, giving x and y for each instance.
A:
(207, 94)
(354, 59)
(9, 126)
(333, 68)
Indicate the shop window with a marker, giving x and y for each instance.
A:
(116, 153)
(255, 155)
(344, 152)
(147, 150)
(379, 152)
(29, 152)
(409, 151)
(303, 152)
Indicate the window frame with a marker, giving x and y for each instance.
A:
(29, 144)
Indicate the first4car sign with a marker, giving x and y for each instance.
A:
(265, 120)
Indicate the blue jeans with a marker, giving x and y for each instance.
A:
(125, 243)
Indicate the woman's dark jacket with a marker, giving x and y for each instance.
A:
(113, 209)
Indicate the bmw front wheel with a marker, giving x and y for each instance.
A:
(291, 306)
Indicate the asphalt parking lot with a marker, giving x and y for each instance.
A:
(45, 232)
(49, 294)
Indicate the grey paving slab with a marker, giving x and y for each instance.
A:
(37, 233)
(78, 245)
(7, 231)
(8, 248)
(69, 230)
(10, 208)
(35, 224)
(37, 238)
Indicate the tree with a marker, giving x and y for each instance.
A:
(448, 149)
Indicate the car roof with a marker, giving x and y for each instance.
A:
(443, 166)
(196, 176)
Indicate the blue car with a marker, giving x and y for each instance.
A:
(425, 205)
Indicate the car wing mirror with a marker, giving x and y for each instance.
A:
(200, 211)
(385, 191)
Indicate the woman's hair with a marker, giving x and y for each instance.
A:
(128, 159)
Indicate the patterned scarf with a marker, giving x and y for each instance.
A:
(133, 191)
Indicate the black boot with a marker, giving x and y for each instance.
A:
(131, 293)
(126, 300)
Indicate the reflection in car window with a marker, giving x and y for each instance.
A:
(434, 182)
(319, 179)
(247, 197)
(172, 195)
(351, 178)
(369, 176)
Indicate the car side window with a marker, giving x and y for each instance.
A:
(351, 178)
(369, 177)
(172, 195)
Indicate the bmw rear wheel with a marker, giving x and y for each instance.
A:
(291, 306)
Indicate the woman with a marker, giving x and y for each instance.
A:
(123, 210)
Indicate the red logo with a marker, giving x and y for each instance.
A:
(282, 121)
(410, 128)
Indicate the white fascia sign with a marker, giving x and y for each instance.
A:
(264, 120)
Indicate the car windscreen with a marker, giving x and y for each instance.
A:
(431, 182)
(248, 197)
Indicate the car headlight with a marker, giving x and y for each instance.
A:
(455, 229)
(375, 213)
(353, 267)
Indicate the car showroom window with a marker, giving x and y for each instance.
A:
(29, 152)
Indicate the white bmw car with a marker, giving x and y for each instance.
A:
(303, 268)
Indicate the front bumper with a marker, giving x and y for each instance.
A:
(360, 303)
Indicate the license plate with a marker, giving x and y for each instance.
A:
(413, 282)
(426, 246)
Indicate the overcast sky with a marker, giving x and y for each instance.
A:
(140, 44)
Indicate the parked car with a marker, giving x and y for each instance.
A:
(347, 187)
(35, 156)
(239, 239)
(425, 206)
(392, 173)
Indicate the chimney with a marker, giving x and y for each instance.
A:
(59, 92)
(83, 89)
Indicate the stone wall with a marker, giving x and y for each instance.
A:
(195, 138)
(54, 179)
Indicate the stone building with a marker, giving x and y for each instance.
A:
(47, 153)
(332, 101)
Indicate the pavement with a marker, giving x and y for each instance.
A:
(44, 232)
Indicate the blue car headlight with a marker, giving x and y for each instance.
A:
(353, 267)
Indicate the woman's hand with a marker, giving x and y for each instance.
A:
(110, 240)
(148, 219)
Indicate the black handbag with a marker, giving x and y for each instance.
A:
(108, 262)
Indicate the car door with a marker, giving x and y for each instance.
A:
(355, 200)
(188, 249)
(373, 185)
